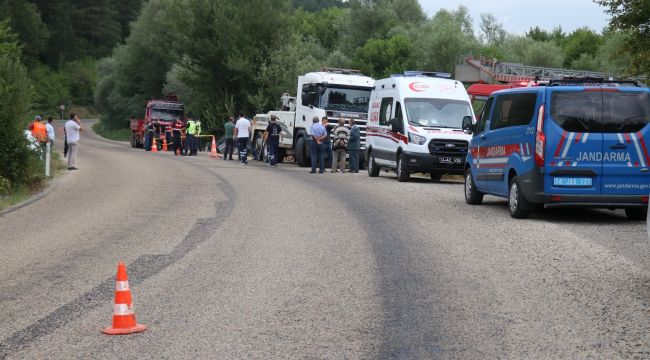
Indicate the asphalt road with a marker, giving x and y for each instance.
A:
(228, 261)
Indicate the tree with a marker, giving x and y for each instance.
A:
(379, 58)
(632, 16)
(25, 20)
(581, 41)
(492, 32)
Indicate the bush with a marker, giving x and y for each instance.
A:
(5, 186)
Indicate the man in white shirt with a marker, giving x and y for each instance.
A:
(49, 128)
(241, 134)
(72, 129)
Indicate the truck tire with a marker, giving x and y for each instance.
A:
(636, 214)
(373, 168)
(518, 206)
(281, 155)
(258, 146)
(472, 195)
(301, 156)
(403, 171)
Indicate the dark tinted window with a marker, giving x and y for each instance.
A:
(480, 125)
(577, 111)
(513, 110)
(398, 111)
(385, 111)
(596, 111)
(625, 111)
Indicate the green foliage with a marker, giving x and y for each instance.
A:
(25, 19)
(581, 41)
(120, 134)
(317, 5)
(632, 17)
(527, 51)
(379, 58)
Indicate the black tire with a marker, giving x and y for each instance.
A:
(373, 168)
(636, 214)
(518, 206)
(258, 146)
(472, 195)
(281, 154)
(435, 176)
(300, 152)
(403, 171)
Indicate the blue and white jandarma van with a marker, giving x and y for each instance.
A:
(573, 142)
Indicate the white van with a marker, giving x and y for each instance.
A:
(415, 125)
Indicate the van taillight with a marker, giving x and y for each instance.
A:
(540, 138)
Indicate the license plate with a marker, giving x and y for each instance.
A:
(574, 182)
(449, 160)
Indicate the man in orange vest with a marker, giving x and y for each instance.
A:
(38, 129)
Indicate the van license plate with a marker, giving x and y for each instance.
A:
(574, 182)
(449, 160)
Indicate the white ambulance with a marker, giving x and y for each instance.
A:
(415, 125)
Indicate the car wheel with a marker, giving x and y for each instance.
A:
(472, 195)
(636, 214)
(403, 171)
(373, 168)
(517, 203)
(301, 157)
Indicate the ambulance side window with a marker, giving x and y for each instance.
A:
(485, 114)
(398, 111)
(385, 111)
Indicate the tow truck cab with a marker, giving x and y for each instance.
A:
(574, 142)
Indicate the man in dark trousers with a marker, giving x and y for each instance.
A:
(354, 146)
(178, 137)
(272, 136)
(230, 142)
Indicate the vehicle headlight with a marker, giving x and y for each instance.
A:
(417, 139)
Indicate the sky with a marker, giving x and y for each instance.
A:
(518, 16)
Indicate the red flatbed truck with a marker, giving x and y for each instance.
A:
(166, 112)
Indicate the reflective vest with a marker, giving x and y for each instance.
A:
(191, 127)
(39, 132)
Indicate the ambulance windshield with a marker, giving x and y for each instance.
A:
(439, 113)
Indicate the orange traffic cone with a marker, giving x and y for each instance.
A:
(165, 145)
(123, 315)
(154, 146)
(213, 150)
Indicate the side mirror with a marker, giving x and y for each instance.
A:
(468, 126)
(396, 126)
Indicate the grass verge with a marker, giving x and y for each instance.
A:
(121, 134)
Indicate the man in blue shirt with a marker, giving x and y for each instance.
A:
(318, 134)
(354, 146)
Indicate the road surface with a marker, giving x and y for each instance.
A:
(228, 261)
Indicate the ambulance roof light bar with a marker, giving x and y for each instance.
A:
(436, 74)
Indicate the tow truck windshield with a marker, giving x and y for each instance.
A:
(337, 98)
(439, 113)
(166, 114)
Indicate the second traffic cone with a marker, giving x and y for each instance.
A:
(123, 315)
(213, 150)
(154, 146)
(165, 145)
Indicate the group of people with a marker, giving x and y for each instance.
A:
(237, 133)
(334, 142)
(44, 134)
(173, 134)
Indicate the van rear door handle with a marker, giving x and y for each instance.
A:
(618, 147)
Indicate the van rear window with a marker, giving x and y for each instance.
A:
(610, 112)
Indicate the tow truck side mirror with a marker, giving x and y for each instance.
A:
(468, 126)
(396, 126)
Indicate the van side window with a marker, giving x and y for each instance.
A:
(480, 126)
(513, 110)
(385, 111)
(398, 111)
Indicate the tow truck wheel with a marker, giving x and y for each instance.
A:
(259, 146)
(472, 195)
(403, 171)
(636, 214)
(373, 168)
(517, 203)
(301, 157)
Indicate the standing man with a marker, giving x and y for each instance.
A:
(178, 136)
(354, 146)
(272, 136)
(318, 134)
(197, 139)
(39, 132)
(149, 130)
(328, 139)
(340, 142)
(242, 133)
(49, 128)
(72, 129)
(230, 141)
(190, 129)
